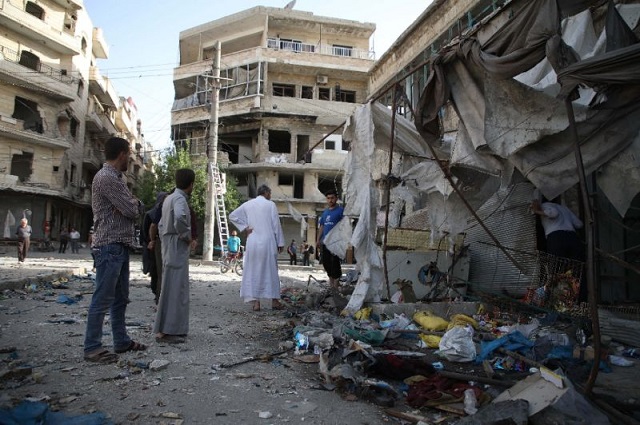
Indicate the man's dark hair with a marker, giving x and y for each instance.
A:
(114, 146)
(263, 189)
(184, 177)
(331, 192)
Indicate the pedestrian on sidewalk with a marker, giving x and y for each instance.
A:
(264, 241)
(149, 239)
(64, 240)
(172, 319)
(307, 250)
(115, 212)
(292, 250)
(23, 232)
(74, 235)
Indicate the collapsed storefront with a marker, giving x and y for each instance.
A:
(491, 117)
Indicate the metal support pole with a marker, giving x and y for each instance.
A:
(388, 191)
(212, 159)
(590, 264)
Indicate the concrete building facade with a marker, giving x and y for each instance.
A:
(56, 112)
(289, 80)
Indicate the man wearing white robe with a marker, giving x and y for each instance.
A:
(264, 241)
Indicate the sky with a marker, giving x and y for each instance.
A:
(143, 42)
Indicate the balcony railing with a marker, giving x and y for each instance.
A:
(35, 65)
(296, 46)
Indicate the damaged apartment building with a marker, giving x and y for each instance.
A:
(289, 80)
(56, 112)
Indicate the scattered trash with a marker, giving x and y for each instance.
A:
(620, 361)
(158, 364)
(40, 413)
(265, 415)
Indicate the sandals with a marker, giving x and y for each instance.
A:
(133, 346)
(171, 339)
(103, 356)
(256, 306)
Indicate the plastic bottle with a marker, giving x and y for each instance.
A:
(470, 402)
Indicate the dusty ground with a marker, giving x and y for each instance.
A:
(193, 388)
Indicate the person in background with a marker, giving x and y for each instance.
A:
(149, 244)
(74, 235)
(233, 243)
(560, 225)
(23, 232)
(306, 253)
(292, 250)
(328, 220)
(115, 212)
(172, 319)
(259, 218)
(64, 240)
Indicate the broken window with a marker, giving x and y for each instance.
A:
(73, 127)
(303, 148)
(27, 111)
(285, 179)
(307, 92)
(326, 183)
(72, 178)
(279, 141)
(339, 50)
(70, 22)
(324, 93)
(29, 60)
(346, 96)
(232, 150)
(285, 90)
(21, 165)
(80, 88)
(35, 10)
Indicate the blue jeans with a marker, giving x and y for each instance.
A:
(111, 293)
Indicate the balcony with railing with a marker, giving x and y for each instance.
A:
(100, 48)
(30, 132)
(92, 118)
(26, 70)
(40, 30)
(93, 157)
(322, 49)
(102, 88)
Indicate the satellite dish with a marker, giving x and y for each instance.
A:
(290, 4)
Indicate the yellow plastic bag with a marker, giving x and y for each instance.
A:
(430, 321)
(362, 314)
(432, 341)
(462, 320)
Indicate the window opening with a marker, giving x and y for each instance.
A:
(285, 90)
(35, 10)
(302, 148)
(298, 187)
(21, 165)
(285, 179)
(324, 93)
(29, 60)
(307, 92)
(80, 88)
(279, 141)
(27, 111)
(339, 50)
(346, 96)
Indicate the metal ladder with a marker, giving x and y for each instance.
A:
(221, 211)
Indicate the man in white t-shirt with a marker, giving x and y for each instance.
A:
(75, 239)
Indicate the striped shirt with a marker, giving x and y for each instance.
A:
(115, 209)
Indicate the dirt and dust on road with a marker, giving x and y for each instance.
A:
(42, 327)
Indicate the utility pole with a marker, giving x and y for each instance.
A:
(212, 159)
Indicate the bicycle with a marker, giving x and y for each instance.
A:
(232, 261)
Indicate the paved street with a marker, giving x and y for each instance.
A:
(192, 388)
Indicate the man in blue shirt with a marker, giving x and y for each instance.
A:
(233, 243)
(328, 220)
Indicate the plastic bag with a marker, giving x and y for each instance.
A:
(457, 345)
(430, 321)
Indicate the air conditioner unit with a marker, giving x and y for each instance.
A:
(322, 79)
